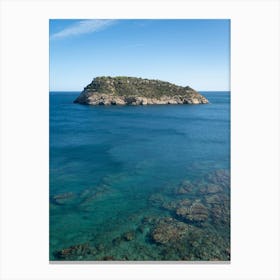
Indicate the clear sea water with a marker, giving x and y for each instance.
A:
(112, 168)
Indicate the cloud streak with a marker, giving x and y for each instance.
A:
(83, 27)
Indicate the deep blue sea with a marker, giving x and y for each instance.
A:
(139, 182)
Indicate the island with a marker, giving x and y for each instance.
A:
(136, 91)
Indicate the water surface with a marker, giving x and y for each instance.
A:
(116, 174)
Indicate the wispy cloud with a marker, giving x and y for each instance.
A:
(83, 27)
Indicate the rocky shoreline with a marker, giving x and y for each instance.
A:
(137, 91)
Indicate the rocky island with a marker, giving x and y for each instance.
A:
(136, 91)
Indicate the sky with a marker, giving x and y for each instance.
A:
(181, 51)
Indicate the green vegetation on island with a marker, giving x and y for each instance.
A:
(123, 90)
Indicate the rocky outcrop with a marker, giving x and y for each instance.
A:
(197, 212)
(63, 198)
(184, 188)
(75, 252)
(219, 177)
(136, 91)
(169, 230)
(210, 189)
(128, 236)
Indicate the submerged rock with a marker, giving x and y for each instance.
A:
(156, 199)
(75, 252)
(196, 212)
(220, 214)
(117, 241)
(172, 205)
(219, 177)
(136, 91)
(184, 188)
(169, 230)
(91, 194)
(213, 199)
(169, 205)
(128, 236)
(211, 189)
(181, 241)
(108, 258)
(63, 198)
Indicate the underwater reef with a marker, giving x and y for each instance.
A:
(191, 222)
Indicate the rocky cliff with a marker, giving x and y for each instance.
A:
(136, 91)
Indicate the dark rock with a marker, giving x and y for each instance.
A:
(91, 194)
(128, 236)
(148, 220)
(108, 258)
(141, 229)
(117, 241)
(100, 247)
(63, 198)
(75, 252)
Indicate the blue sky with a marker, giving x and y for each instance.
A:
(184, 52)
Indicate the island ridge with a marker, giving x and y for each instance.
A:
(123, 90)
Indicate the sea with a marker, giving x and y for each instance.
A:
(139, 183)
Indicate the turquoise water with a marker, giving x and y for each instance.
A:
(139, 182)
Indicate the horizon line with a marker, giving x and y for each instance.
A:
(81, 90)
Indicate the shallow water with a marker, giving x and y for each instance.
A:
(116, 177)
